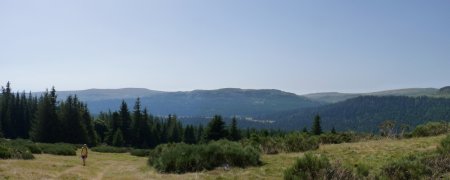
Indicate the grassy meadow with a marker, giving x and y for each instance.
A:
(372, 154)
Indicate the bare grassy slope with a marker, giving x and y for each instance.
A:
(124, 166)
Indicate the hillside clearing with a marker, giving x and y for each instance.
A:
(374, 154)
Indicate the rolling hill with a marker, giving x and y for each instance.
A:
(227, 102)
(333, 97)
(366, 113)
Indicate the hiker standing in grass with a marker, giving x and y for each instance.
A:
(84, 154)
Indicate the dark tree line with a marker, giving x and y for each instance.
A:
(16, 113)
(45, 119)
(138, 128)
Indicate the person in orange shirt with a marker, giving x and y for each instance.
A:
(84, 154)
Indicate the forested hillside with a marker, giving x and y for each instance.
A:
(366, 113)
(227, 102)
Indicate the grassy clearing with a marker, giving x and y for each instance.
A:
(125, 166)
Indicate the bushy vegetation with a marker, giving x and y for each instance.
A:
(140, 152)
(317, 167)
(109, 149)
(22, 149)
(10, 151)
(444, 147)
(181, 158)
(291, 142)
(421, 166)
(431, 129)
(62, 149)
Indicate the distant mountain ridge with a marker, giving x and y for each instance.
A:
(334, 97)
(227, 101)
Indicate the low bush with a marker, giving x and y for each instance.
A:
(410, 167)
(430, 129)
(317, 167)
(109, 149)
(8, 151)
(444, 147)
(62, 149)
(140, 152)
(299, 142)
(308, 167)
(181, 158)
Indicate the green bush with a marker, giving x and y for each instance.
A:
(62, 149)
(308, 167)
(410, 167)
(444, 147)
(7, 151)
(109, 149)
(181, 158)
(140, 152)
(299, 142)
(317, 167)
(430, 129)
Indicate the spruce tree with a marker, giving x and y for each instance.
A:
(74, 129)
(333, 130)
(46, 126)
(125, 119)
(135, 129)
(234, 134)
(216, 129)
(316, 129)
(189, 135)
(89, 125)
(118, 138)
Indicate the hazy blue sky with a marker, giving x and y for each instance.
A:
(297, 46)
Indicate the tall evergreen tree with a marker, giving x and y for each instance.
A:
(89, 125)
(45, 125)
(234, 134)
(135, 129)
(74, 130)
(125, 119)
(118, 138)
(316, 128)
(216, 129)
(189, 135)
(6, 111)
(146, 138)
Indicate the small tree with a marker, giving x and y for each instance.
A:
(234, 133)
(316, 129)
(216, 129)
(333, 131)
(387, 128)
(118, 138)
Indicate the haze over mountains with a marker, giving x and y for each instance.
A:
(284, 110)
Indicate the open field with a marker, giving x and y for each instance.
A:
(373, 154)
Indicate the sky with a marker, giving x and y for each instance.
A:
(178, 45)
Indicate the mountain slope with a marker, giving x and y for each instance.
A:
(333, 97)
(227, 102)
(365, 113)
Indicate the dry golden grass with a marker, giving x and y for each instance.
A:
(124, 166)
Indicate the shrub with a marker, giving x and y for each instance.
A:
(180, 157)
(444, 147)
(317, 167)
(140, 152)
(109, 149)
(406, 168)
(7, 151)
(308, 167)
(58, 149)
(298, 142)
(430, 129)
